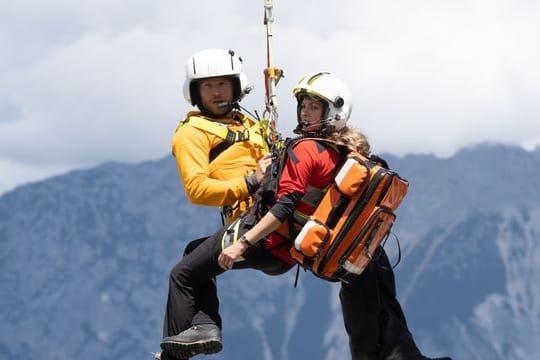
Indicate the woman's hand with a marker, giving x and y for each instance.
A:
(230, 254)
(265, 226)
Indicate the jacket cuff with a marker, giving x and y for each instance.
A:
(252, 183)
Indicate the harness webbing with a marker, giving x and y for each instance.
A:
(252, 133)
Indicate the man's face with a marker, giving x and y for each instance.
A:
(216, 94)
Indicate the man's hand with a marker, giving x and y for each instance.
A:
(262, 166)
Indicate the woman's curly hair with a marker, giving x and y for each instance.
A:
(352, 139)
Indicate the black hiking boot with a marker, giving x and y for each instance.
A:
(198, 339)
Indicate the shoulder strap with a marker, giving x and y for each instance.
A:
(341, 150)
(218, 149)
(247, 134)
(271, 179)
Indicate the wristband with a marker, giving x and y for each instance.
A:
(245, 241)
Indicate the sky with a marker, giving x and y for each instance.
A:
(86, 82)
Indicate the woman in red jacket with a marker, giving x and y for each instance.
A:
(373, 317)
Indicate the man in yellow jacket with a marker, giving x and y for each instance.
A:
(217, 148)
(221, 155)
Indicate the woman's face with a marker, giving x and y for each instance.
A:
(311, 112)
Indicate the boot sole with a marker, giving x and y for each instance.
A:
(186, 350)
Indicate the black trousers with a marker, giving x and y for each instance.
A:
(192, 297)
(373, 317)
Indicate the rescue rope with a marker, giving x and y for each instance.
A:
(271, 76)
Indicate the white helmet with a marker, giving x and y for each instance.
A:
(211, 63)
(331, 90)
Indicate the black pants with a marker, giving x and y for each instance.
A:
(373, 317)
(192, 295)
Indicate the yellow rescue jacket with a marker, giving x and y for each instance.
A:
(218, 181)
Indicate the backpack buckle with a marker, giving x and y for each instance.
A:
(237, 136)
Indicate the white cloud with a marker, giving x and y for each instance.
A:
(88, 82)
(15, 174)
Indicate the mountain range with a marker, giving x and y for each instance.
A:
(85, 257)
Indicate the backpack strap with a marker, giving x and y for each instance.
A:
(273, 176)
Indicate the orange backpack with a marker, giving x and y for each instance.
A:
(353, 218)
